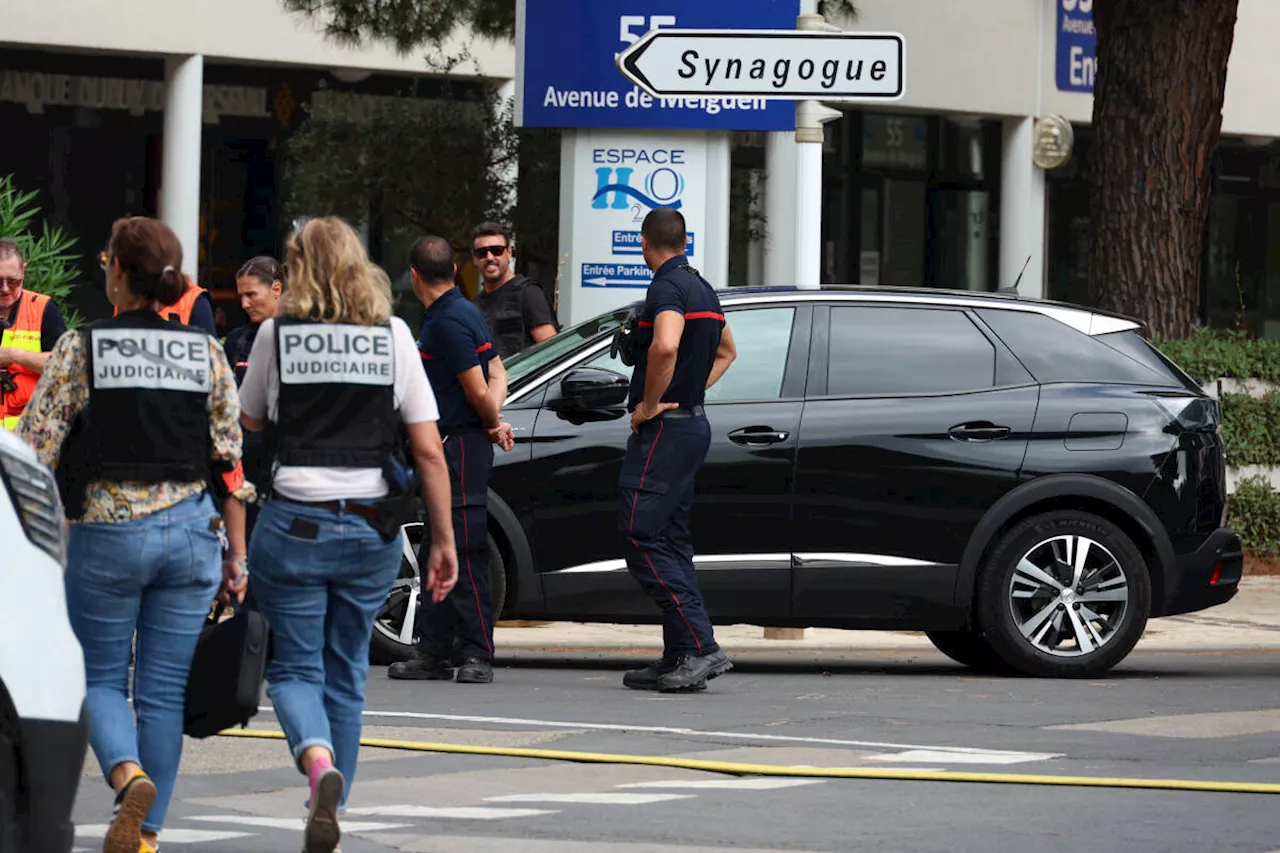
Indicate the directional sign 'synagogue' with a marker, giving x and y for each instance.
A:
(782, 64)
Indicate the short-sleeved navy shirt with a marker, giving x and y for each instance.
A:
(673, 285)
(454, 338)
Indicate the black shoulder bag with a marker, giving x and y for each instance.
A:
(230, 664)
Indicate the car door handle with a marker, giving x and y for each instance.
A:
(757, 435)
(979, 431)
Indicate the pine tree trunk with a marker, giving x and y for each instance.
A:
(1157, 115)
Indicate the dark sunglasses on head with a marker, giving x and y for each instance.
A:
(486, 251)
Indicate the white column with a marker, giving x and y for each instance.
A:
(714, 246)
(180, 173)
(808, 220)
(1022, 210)
(779, 209)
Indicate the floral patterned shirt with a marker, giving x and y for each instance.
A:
(63, 393)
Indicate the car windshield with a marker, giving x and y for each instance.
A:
(531, 361)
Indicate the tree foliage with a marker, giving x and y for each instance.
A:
(51, 265)
(410, 24)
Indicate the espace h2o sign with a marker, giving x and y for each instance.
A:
(567, 74)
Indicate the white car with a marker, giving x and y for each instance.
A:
(43, 731)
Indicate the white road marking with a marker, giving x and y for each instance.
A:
(939, 755)
(171, 836)
(998, 756)
(591, 799)
(458, 813)
(289, 823)
(754, 784)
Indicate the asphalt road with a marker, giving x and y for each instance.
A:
(1210, 716)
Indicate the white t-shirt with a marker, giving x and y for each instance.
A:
(260, 399)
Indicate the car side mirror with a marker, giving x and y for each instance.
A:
(593, 388)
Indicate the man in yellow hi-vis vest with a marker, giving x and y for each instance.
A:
(30, 324)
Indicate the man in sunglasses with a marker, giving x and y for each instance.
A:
(30, 324)
(515, 306)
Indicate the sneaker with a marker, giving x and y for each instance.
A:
(322, 833)
(132, 804)
(692, 673)
(475, 671)
(648, 677)
(421, 668)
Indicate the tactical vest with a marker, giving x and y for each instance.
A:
(24, 334)
(502, 311)
(147, 420)
(337, 394)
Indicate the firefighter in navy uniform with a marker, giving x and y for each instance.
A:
(470, 385)
(682, 347)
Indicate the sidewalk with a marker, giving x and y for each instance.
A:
(1251, 620)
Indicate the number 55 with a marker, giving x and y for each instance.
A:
(628, 22)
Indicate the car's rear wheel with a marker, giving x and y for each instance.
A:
(394, 627)
(1065, 594)
(10, 786)
(969, 648)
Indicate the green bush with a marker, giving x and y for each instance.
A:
(1254, 512)
(1210, 354)
(1251, 428)
(50, 262)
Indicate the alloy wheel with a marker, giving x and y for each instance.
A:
(1069, 596)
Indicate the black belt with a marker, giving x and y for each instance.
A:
(684, 412)
(366, 511)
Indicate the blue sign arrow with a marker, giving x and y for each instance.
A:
(635, 276)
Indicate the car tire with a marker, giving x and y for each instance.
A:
(386, 646)
(1040, 620)
(10, 786)
(969, 648)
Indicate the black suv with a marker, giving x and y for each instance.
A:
(1025, 481)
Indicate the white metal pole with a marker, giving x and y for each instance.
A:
(180, 169)
(1022, 210)
(808, 221)
(779, 208)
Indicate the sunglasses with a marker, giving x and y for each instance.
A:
(486, 251)
(10, 282)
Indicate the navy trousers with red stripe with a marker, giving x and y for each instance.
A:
(467, 612)
(655, 499)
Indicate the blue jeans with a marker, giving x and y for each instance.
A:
(156, 576)
(320, 577)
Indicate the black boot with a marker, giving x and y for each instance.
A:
(648, 677)
(475, 671)
(693, 673)
(421, 668)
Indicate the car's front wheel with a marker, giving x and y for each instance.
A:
(1065, 594)
(395, 635)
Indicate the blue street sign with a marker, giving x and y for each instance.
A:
(1077, 46)
(567, 72)
(615, 275)
(628, 243)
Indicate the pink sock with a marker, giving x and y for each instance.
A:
(318, 766)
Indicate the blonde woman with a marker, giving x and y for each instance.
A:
(332, 378)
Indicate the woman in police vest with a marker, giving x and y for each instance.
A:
(332, 378)
(138, 414)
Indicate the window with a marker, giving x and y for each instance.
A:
(1055, 352)
(763, 338)
(892, 351)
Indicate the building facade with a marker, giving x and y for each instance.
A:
(940, 188)
(179, 110)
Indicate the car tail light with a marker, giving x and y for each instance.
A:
(1191, 413)
(1217, 574)
(35, 497)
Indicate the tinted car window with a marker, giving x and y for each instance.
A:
(1055, 352)
(1138, 348)
(524, 365)
(763, 338)
(891, 351)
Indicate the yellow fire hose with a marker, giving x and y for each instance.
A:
(738, 769)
